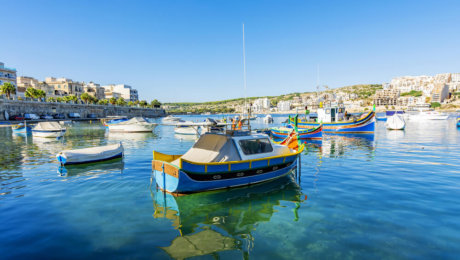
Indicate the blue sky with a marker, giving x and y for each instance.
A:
(192, 50)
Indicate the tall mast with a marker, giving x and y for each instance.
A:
(244, 75)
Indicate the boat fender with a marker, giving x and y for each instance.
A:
(62, 160)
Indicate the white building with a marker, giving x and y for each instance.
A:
(261, 105)
(7, 74)
(284, 106)
(123, 90)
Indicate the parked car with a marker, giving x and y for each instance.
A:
(18, 118)
(91, 116)
(73, 115)
(46, 117)
(59, 116)
(31, 117)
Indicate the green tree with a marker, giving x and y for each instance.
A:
(31, 93)
(40, 94)
(85, 97)
(103, 102)
(435, 104)
(7, 88)
(112, 100)
(130, 103)
(121, 101)
(50, 99)
(155, 103)
(143, 103)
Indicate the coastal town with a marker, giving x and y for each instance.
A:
(53, 89)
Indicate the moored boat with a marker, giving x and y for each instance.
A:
(115, 121)
(218, 161)
(21, 128)
(458, 121)
(133, 125)
(268, 119)
(171, 118)
(48, 129)
(428, 115)
(335, 120)
(395, 122)
(302, 133)
(90, 155)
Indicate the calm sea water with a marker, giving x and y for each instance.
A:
(392, 195)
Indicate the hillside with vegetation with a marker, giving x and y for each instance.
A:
(362, 92)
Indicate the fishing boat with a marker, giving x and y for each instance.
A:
(303, 133)
(268, 119)
(335, 120)
(458, 121)
(21, 128)
(48, 129)
(133, 125)
(218, 161)
(381, 118)
(90, 155)
(395, 122)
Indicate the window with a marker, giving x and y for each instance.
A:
(256, 146)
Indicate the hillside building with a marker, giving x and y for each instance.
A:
(7, 74)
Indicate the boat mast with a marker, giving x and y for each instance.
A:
(244, 77)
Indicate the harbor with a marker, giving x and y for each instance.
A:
(378, 190)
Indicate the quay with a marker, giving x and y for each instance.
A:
(11, 107)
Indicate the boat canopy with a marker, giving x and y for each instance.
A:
(212, 148)
(48, 126)
(134, 120)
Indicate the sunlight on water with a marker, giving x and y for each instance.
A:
(389, 195)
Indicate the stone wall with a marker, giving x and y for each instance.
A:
(14, 107)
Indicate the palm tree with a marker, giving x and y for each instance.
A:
(7, 88)
(143, 103)
(121, 101)
(112, 100)
(31, 93)
(85, 97)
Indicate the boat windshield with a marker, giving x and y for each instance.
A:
(256, 146)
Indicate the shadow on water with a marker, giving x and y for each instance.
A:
(212, 222)
(111, 166)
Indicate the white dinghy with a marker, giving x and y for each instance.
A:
(133, 125)
(48, 129)
(90, 155)
(268, 119)
(395, 122)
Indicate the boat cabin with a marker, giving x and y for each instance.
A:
(331, 113)
(213, 147)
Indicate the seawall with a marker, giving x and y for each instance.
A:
(14, 107)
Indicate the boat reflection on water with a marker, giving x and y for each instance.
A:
(182, 137)
(338, 145)
(211, 222)
(112, 166)
(130, 136)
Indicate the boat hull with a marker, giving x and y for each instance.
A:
(132, 128)
(21, 130)
(191, 183)
(362, 125)
(48, 134)
(185, 131)
(117, 156)
(303, 134)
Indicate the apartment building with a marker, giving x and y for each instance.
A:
(386, 97)
(94, 90)
(7, 74)
(440, 92)
(123, 90)
(260, 105)
(24, 82)
(284, 105)
(64, 86)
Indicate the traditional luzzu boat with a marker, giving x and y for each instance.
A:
(48, 129)
(302, 133)
(334, 120)
(90, 155)
(218, 161)
(21, 128)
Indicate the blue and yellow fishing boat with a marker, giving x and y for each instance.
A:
(302, 133)
(21, 129)
(218, 161)
(335, 120)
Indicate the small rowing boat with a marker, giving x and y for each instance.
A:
(21, 128)
(302, 133)
(90, 155)
(48, 129)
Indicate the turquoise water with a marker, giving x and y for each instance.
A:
(394, 195)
